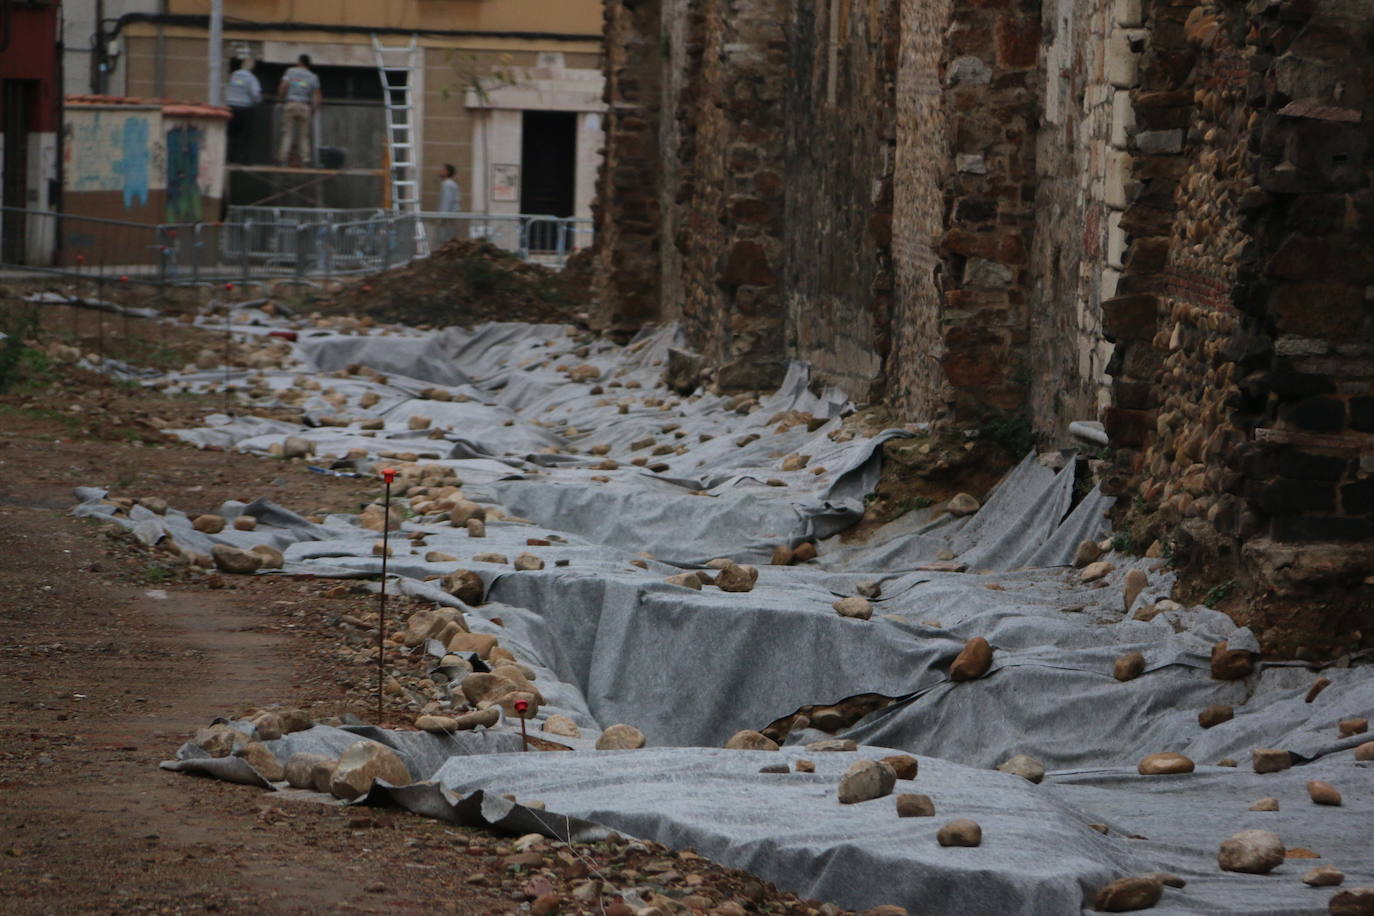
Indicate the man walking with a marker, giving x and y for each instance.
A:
(448, 201)
(242, 94)
(299, 91)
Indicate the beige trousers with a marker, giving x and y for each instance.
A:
(295, 133)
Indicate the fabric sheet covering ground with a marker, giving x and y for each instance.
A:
(611, 642)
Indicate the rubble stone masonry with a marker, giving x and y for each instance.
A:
(1244, 331)
(627, 210)
(1153, 212)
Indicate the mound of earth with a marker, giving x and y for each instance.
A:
(467, 282)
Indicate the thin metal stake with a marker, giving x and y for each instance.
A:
(228, 342)
(388, 475)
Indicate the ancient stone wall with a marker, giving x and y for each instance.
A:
(1077, 246)
(907, 272)
(921, 169)
(1245, 326)
(726, 67)
(1159, 209)
(840, 108)
(991, 100)
(628, 210)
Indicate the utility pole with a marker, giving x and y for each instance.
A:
(216, 52)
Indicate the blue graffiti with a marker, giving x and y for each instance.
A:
(133, 168)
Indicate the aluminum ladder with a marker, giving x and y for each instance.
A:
(396, 69)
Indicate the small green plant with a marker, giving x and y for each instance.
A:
(1219, 593)
(156, 575)
(1012, 431)
(41, 413)
(22, 368)
(1124, 542)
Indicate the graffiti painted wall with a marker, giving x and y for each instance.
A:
(115, 150)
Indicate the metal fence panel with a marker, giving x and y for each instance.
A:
(280, 242)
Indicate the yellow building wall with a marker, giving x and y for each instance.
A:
(579, 17)
(514, 28)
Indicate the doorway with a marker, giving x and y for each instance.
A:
(16, 108)
(548, 168)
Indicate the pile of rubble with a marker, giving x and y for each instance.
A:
(466, 282)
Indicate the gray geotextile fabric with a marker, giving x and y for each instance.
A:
(610, 641)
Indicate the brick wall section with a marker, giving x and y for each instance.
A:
(902, 271)
(731, 198)
(992, 107)
(1244, 373)
(628, 208)
(840, 108)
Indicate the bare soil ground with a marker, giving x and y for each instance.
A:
(111, 656)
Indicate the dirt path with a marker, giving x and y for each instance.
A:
(103, 679)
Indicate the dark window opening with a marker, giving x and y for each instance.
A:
(17, 108)
(548, 169)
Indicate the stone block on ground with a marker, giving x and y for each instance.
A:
(1128, 894)
(961, 832)
(913, 804)
(235, 560)
(1252, 852)
(300, 769)
(735, 578)
(363, 763)
(620, 737)
(261, 758)
(1129, 666)
(973, 662)
(1166, 763)
(854, 608)
(1025, 766)
(866, 780)
(749, 740)
(1270, 759)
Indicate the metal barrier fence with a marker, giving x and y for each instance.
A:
(268, 243)
(549, 240)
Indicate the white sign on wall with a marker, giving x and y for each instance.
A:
(505, 182)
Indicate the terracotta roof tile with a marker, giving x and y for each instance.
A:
(171, 107)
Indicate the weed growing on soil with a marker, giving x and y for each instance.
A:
(1124, 542)
(22, 368)
(41, 413)
(156, 575)
(1012, 431)
(1219, 593)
